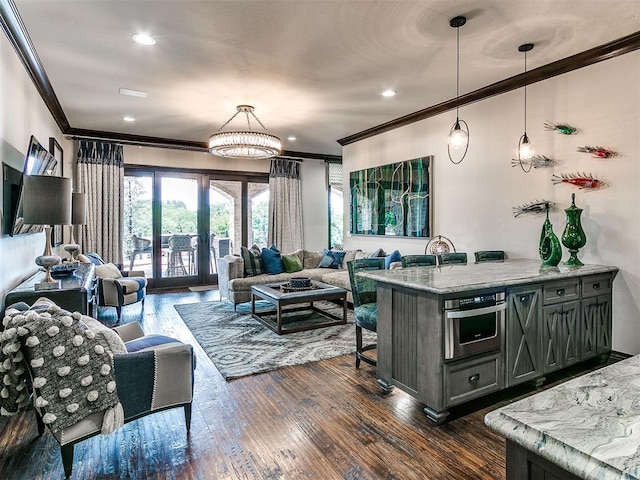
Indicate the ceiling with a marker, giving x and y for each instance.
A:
(313, 69)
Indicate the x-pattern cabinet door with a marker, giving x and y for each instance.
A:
(596, 326)
(560, 335)
(523, 340)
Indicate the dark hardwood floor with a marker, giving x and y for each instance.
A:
(324, 420)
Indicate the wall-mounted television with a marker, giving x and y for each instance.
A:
(37, 161)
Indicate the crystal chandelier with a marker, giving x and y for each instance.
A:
(244, 143)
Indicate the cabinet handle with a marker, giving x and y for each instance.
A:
(560, 292)
(474, 378)
(596, 286)
(523, 299)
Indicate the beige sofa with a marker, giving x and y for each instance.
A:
(235, 287)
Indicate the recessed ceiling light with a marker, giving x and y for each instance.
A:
(127, 118)
(133, 93)
(143, 39)
(388, 93)
(291, 138)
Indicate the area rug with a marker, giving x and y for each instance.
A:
(238, 345)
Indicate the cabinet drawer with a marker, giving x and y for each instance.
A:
(563, 291)
(596, 285)
(472, 378)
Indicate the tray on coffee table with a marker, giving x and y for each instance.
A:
(279, 298)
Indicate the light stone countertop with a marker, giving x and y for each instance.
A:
(477, 276)
(590, 426)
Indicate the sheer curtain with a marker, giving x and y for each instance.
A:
(285, 206)
(101, 176)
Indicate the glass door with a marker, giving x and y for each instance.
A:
(178, 224)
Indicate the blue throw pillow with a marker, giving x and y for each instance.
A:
(272, 261)
(392, 257)
(331, 259)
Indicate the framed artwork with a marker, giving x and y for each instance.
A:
(56, 150)
(393, 200)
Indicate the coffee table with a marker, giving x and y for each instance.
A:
(276, 296)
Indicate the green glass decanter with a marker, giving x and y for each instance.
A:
(573, 236)
(550, 249)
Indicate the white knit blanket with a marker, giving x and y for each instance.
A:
(72, 369)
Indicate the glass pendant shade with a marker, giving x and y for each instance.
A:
(458, 138)
(525, 149)
(245, 143)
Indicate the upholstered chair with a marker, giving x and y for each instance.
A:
(365, 306)
(452, 258)
(116, 288)
(84, 379)
(489, 256)
(418, 261)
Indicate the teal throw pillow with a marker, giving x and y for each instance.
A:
(392, 257)
(252, 264)
(291, 263)
(272, 260)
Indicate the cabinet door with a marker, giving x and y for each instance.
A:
(522, 339)
(570, 333)
(596, 326)
(560, 335)
(551, 338)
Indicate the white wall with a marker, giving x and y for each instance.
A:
(22, 114)
(473, 201)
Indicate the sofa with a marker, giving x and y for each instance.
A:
(235, 285)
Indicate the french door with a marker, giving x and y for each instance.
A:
(178, 223)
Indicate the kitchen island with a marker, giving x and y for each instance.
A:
(587, 428)
(551, 318)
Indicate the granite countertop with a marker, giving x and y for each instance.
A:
(476, 276)
(590, 426)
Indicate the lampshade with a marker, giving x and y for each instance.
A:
(244, 143)
(78, 209)
(47, 200)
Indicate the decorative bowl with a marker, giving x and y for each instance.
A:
(300, 282)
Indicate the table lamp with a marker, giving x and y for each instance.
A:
(78, 217)
(47, 201)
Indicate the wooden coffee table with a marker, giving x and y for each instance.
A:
(280, 298)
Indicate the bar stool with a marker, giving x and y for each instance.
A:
(178, 244)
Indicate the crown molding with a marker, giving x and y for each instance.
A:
(613, 49)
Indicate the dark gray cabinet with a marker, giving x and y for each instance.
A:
(522, 345)
(560, 336)
(596, 320)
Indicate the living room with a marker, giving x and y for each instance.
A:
(472, 205)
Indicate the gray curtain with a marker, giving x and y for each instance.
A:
(285, 206)
(101, 176)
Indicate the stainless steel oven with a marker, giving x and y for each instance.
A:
(474, 325)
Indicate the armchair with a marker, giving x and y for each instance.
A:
(130, 375)
(116, 288)
(140, 246)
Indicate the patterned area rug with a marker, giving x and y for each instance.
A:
(238, 345)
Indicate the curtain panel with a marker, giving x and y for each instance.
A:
(285, 206)
(101, 176)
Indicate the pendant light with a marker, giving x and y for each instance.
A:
(459, 133)
(525, 147)
(246, 143)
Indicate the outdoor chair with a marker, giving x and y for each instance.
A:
(418, 261)
(365, 306)
(452, 259)
(140, 246)
(179, 244)
(489, 256)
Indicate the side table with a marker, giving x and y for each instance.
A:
(76, 292)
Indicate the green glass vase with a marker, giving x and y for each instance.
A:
(549, 249)
(573, 236)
